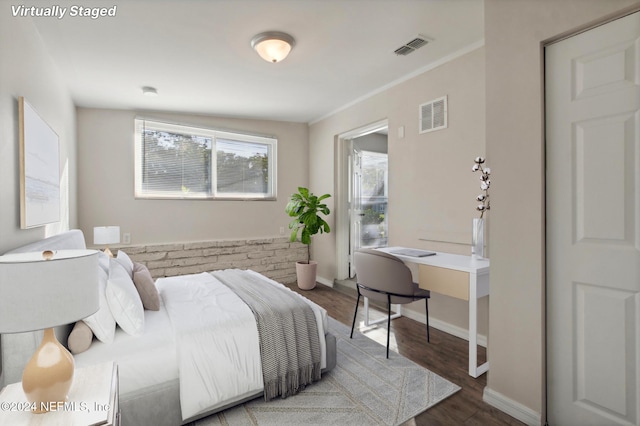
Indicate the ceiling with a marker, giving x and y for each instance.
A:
(197, 53)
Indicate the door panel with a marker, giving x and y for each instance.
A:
(604, 317)
(355, 210)
(593, 226)
(373, 199)
(600, 197)
(368, 200)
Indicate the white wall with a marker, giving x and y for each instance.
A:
(431, 187)
(106, 185)
(27, 70)
(514, 33)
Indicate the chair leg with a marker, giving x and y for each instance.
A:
(388, 321)
(353, 324)
(426, 303)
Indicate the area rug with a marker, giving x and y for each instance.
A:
(364, 388)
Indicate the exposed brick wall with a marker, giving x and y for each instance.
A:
(274, 257)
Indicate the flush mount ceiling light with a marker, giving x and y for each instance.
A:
(149, 91)
(273, 46)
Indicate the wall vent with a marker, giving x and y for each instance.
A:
(411, 46)
(433, 115)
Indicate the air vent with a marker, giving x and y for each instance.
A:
(404, 50)
(412, 45)
(433, 115)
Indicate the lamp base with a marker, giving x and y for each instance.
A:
(47, 378)
(108, 252)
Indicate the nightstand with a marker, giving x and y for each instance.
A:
(93, 400)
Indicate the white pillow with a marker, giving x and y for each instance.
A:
(125, 261)
(102, 322)
(124, 301)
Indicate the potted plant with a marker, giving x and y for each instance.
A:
(306, 208)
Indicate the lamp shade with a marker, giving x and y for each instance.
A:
(273, 46)
(36, 293)
(106, 235)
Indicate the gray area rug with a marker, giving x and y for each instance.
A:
(364, 388)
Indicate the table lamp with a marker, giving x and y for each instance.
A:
(106, 235)
(42, 290)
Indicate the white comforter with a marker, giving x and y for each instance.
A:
(217, 341)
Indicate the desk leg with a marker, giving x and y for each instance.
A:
(474, 369)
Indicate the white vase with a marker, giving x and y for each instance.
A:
(477, 238)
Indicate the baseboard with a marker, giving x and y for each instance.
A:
(322, 280)
(345, 283)
(454, 330)
(514, 409)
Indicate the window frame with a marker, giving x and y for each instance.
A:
(272, 155)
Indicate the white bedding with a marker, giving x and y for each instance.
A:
(143, 361)
(175, 342)
(214, 367)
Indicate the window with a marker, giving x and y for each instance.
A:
(174, 161)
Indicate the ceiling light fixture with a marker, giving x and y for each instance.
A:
(273, 46)
(149, 91)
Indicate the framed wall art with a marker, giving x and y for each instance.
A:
(39, 169)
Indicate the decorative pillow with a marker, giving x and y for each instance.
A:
(102, 322)
(146, 287)
(124, 301)
(80, 338)
(125, 261)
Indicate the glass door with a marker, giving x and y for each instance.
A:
(355, 207)
(373, 199)
(368, 201)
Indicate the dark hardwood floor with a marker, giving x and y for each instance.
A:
(445, 355)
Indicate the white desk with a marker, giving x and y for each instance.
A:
(457, 276)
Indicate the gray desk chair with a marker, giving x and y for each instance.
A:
(385, 278)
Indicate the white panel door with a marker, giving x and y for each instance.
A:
(593, 226)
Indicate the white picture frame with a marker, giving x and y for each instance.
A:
(39, 169)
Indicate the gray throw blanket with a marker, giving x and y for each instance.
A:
(289, 344)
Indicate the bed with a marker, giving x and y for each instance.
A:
(158, 384)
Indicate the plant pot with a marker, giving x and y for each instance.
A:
(306, 273)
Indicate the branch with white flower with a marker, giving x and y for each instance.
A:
(485, 183)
